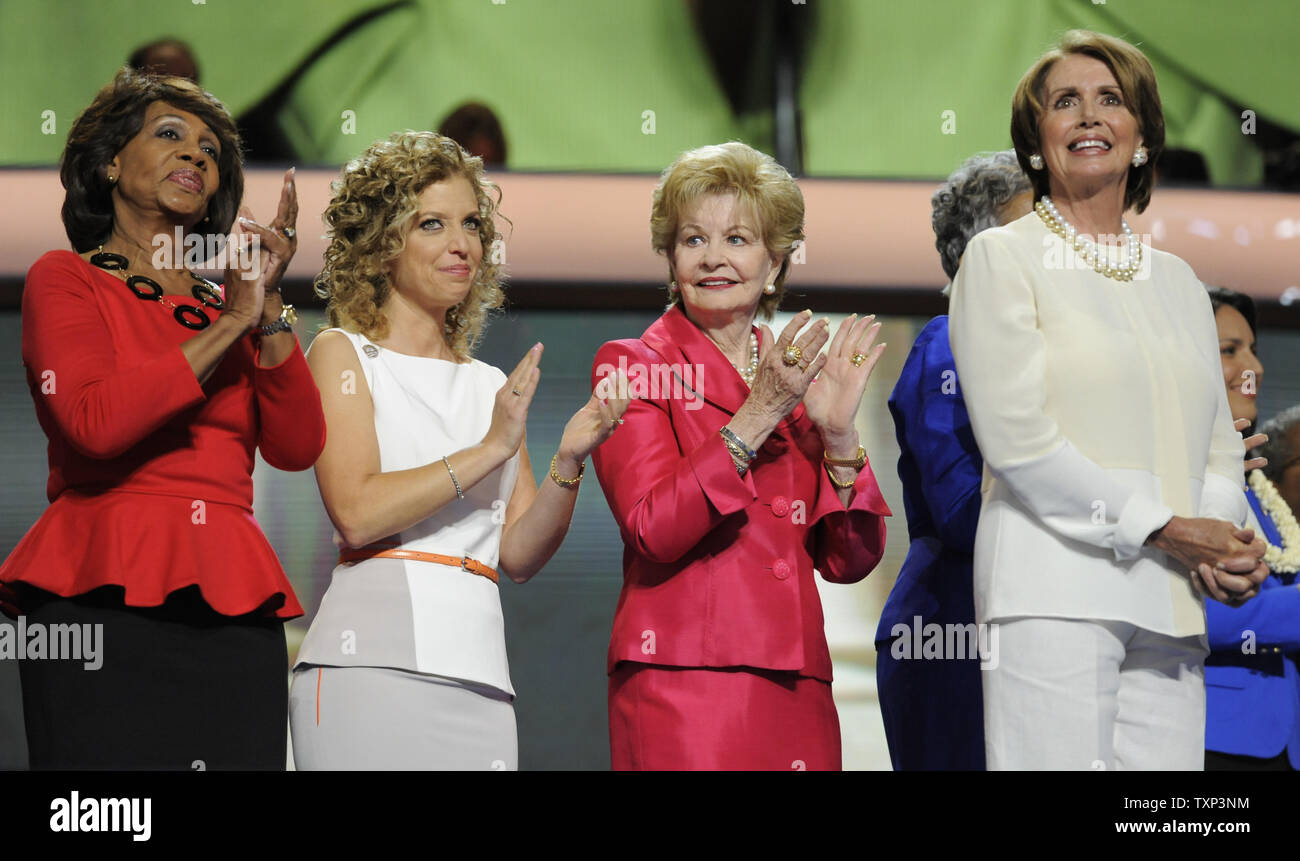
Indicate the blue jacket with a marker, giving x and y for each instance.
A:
(933, 710)
(1253, 699)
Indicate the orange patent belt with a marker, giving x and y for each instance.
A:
(464, 563)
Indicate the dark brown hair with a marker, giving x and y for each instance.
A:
(116, 116)
(1137, 81)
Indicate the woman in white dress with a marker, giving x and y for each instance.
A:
(1113, 475)
(425, 474)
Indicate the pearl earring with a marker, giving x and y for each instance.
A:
(1140, 156)
(1036, 161)
(672, 286)
(769, 289)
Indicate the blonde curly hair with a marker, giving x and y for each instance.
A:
(367, 222)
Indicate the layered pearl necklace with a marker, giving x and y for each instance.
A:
(748, 373)
(1284, 559)
(1098, 258)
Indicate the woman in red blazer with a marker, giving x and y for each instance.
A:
(737, 470)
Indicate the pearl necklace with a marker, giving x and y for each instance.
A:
(748, 373)
(1284, 559)
(1097, 258)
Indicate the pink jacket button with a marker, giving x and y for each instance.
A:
(780, 569)
(780, 506)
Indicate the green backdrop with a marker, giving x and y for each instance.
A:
(572, 79)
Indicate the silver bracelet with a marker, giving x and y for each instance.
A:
(452, 473)
(730, 435)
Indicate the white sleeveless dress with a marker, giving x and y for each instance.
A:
(405, 664)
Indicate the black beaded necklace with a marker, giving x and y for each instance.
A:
(189, 316)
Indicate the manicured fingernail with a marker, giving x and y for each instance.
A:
(806, 312)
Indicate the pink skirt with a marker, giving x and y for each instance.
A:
(733, 719)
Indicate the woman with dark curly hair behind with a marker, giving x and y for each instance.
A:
(154, 399)
(425, 474)
(932, 708)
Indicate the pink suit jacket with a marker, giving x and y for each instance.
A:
(718, 569)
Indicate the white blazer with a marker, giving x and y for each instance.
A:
(1100, 410)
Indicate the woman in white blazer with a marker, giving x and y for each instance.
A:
(1112, 487)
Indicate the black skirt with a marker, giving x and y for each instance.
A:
(177, 687)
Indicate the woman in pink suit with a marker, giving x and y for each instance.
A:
(737, 472)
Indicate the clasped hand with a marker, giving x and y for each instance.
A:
(1224, 561)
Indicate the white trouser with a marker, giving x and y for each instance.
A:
(1068, 694)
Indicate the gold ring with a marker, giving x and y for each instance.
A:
(858, 359)
(515, 391)
(791, 356)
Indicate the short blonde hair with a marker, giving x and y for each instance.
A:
(756, 179)
(1137, 81)
(367, 222)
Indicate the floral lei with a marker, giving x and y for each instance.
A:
(1284, 559)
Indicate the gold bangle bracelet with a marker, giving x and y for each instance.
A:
(566, 483)
(737, 453)
(835, 481)
(857, 462)
(741, 465)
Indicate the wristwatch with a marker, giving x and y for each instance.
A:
(287, 318)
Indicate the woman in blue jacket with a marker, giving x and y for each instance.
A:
(1252, 684)
(933, 706)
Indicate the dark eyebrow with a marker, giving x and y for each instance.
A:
(205, 130)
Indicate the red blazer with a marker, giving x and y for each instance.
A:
(718, 569)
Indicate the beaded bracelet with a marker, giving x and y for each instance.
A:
(566, 483)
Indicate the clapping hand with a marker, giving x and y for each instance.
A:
(833, 398)
(247, 286)
(590, 426)
(788, 365)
